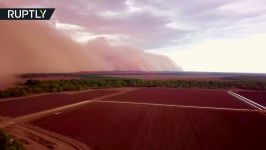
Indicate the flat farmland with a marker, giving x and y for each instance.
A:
(28, 105)
(256, 96)
(107, 126)
(188, 97)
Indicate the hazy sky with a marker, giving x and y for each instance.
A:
(199, 35)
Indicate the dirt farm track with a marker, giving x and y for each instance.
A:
(139, 119)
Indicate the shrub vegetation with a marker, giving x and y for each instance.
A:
(36, 86)
(9, 143)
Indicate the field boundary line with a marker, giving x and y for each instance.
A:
(51, 93)
(43, 94)
(44, 113)
(178, 106)
(248, 101)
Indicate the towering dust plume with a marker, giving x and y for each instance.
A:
(29, 47)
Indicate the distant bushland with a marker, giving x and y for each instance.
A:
(36, 86)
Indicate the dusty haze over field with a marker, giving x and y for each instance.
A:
(201, 35)
(38, 47)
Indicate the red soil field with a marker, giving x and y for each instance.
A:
(256, 96)
(190, 97)
(106, 126)
(27, 105)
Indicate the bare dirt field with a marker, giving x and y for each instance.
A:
(136, 119)
(256, 96)
(189, 97)
(27, 105)
(106, 126)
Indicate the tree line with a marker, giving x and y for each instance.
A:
(36, 86)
